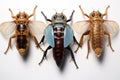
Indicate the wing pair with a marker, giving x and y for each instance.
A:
(111, 26)
(9, 28)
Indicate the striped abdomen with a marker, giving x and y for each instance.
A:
(22, 39)
(97, 38)
(58, 50)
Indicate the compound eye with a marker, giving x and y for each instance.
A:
(63, 17)
(93, 14)
(18, 16)
(100, 15)
(55, 17)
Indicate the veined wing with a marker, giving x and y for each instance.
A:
(37, 27)
(81, 26)
(111, 26)
(7, 28)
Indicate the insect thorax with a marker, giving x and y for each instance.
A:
(21, 26)
(58, 31)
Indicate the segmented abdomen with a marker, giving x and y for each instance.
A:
(58, 50)
(97, 38)
(22, 39)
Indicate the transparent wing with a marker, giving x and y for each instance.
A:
(37, 27)
(111, 26)
(7, 28)
(81, 26)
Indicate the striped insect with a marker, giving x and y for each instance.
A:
(96, 28)
(59, 36)
(21, 29)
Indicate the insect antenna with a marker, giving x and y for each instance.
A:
(63, 10)
(55, 10)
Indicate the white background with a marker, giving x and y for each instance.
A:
(13, 67)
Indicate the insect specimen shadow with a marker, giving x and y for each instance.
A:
(25, 57)
(101, 58)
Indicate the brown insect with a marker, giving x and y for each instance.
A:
(21, 29)
(96, 28)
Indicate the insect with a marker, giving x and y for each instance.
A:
(21, 29)
(59, 36)
(96, 28)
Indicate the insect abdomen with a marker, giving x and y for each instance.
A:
(21, 43)
(22, 39)
(58, 50)
(98, 39)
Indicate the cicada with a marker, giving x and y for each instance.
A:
(21, 29)
(96, 28)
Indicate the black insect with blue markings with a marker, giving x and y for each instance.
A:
(59, 36)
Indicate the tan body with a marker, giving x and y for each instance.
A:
(97, 36)
(22, 40)
(96, 32)
(22, 33)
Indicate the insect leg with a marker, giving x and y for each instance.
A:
(72, 55)
(46, 17)
(83, 12)
(81, 40)
(12, 13)
(35, 40)
(106, 11)
(42, 40)
(9, 44)
(88, 43)
(109, 40)
(33, 12)
(71, 16)
(75, 40)
(45, 53)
